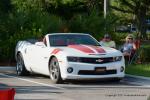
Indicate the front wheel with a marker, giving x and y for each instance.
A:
(54, 70)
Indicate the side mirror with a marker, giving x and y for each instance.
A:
(40, 44)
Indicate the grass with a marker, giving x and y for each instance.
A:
(140, 70)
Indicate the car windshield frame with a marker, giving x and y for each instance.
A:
(72, 39)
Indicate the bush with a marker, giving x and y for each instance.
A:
(93, 23)
(28, 20)
(20, 25)
(83, 23)
(119, 38)
(8, 46)
(144, 54)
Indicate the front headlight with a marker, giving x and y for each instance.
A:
(73, 59)
(117, 58)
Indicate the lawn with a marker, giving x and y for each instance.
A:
(140, 70)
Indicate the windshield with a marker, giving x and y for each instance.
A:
(71, 39)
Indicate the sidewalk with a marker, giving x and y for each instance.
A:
(139, 80)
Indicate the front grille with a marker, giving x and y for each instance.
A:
(93, 72)
(97, 60)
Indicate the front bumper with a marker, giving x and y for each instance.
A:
(78, 67)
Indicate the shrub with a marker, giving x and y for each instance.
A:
(20, 25)
(93, 24)
(119, 38)
(8, 46)
(144, 54)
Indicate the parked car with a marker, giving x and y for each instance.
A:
(65, 56)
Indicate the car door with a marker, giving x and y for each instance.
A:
(40, 58)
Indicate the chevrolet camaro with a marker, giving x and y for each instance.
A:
(64, 56)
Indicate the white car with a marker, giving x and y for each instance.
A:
(65, 56)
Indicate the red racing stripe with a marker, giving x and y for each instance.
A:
(81, 48)
(98, 49)
(55, 51)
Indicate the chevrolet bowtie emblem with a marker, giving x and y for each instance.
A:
(99, 60)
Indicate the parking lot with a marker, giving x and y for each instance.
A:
(38, 87)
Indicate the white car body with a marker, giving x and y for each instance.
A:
(37, 57)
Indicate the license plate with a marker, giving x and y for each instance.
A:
(100, 69)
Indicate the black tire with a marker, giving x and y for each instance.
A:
(54, 71)
(20, 67)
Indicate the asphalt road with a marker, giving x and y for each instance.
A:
(38, 87)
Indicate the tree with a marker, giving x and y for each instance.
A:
(5, 9)
(5, 6)
(139, 8)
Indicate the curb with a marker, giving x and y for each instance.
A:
(139, 77)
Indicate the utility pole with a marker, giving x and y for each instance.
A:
(106, 7)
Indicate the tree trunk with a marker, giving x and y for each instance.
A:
(141, 22)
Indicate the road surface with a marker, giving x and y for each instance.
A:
(38, 87)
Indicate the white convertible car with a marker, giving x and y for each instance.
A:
(65, 56)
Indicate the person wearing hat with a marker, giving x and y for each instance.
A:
(107, 42)
(129, 45)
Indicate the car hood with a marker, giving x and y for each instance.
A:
(89, 50)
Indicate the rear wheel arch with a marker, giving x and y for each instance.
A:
(17, 54)
(20, 68)
(50, 60)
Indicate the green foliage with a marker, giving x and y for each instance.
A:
(119, 38)
(140, 70)
(65, 8)
(20, 25)
(8, 46)
(136, 12)
(93, 23)
(44, 22)
(5, 6)
(27, 5)
(35, 18)
(144, 53)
